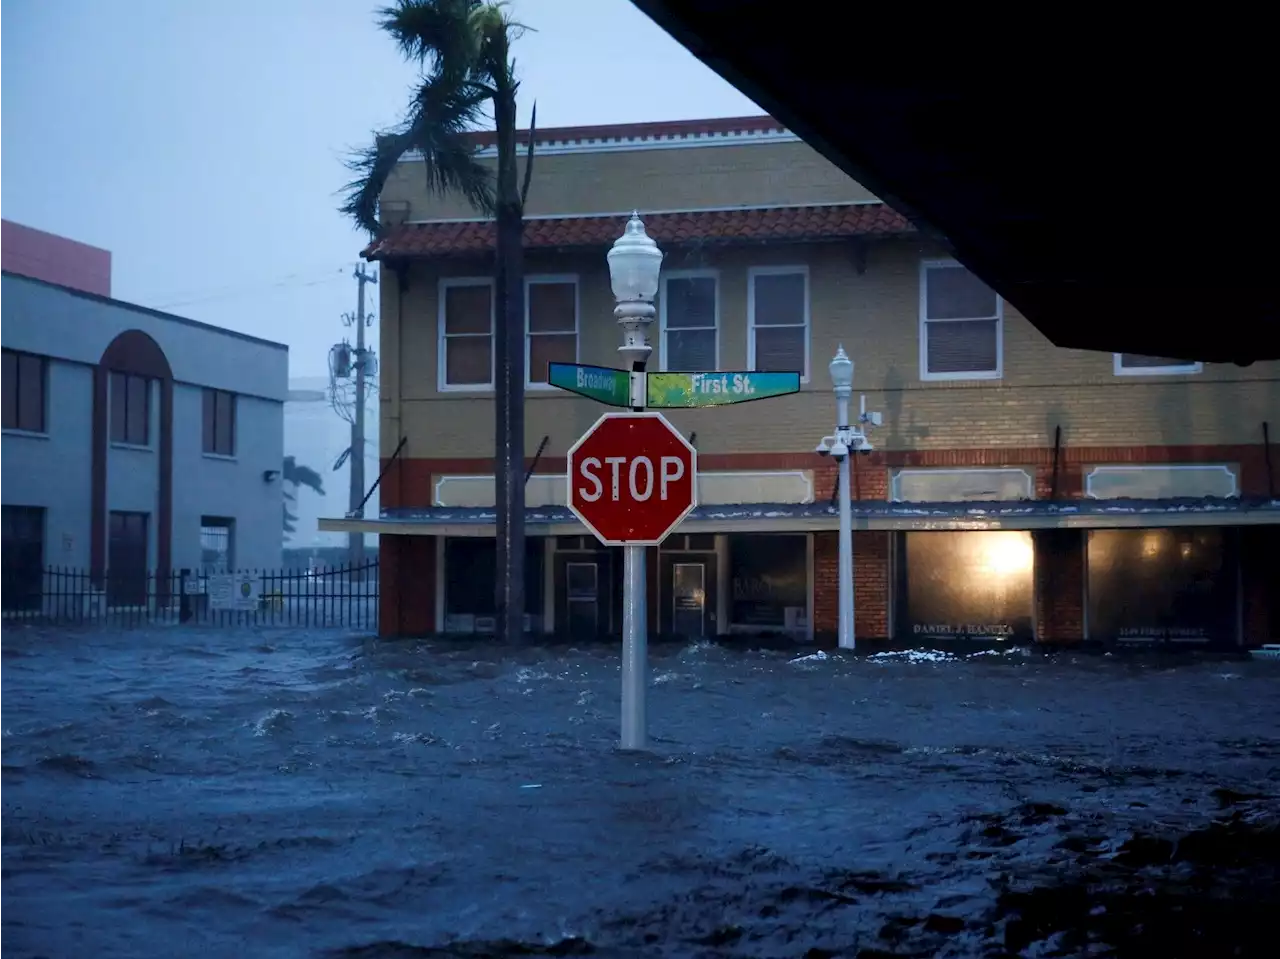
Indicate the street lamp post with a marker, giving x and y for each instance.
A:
(634, 264)
(845, 442)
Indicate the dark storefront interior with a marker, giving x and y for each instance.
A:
(965, 585)
(1164, 585)
(469, 585)
(769, 582)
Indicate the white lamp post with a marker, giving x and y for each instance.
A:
(634, 263)
(842, 444)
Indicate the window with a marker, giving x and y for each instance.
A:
(961, 335)
(24, 391)
(217, 540)
(466, 334)
(769, 576)
(23, 552)
(1133, 364)
(219, 433)
(690, 314)
(778, 319)
(130, 409)
(551, 324)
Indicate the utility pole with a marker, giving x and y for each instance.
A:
(355, 541)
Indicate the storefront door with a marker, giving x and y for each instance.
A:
(687, 595)
(584, 584)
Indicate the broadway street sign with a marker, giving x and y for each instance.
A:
(611, 387)
(671, 390)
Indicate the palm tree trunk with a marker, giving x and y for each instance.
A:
(509, 362)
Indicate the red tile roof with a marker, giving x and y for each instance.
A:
(765, 224)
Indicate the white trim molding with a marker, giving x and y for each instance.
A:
(625, 214)
(1173, 369)
(622, 144)
(923, 336)
(925, 485)
(442, 379)
(551, 278)
(1162, 481)
(807, 325)
(667, 276)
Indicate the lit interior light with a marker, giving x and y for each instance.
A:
(1007, 554)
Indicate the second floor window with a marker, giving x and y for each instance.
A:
(1134, 364)
(551, 324)
(466, 334)
(219, 429)
(778, 318)
(24, 378)
(130, 409)
(690, 316)
(960, 324)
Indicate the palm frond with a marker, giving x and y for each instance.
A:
(436, 33)
(438, 120)
(439, 116)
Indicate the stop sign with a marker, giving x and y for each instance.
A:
(632, 479)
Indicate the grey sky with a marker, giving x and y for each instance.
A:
(202, 143)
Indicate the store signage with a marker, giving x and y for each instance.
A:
(685, 390)
(965, 630)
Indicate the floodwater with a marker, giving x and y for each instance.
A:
(186, 793)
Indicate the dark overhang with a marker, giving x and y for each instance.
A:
(1109, 172)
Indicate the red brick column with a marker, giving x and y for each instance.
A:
(826, 586)
(407, 586)
(871, 584)
(1059, 585)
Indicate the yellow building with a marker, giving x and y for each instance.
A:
(1017, 489)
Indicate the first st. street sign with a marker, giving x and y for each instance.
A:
(632, 479)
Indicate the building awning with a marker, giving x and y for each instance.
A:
(782, 224)
(812, 517)
(1120, 200)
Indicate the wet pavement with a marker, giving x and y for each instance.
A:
(187, 793)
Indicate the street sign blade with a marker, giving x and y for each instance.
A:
(684, 390)
(599, 383)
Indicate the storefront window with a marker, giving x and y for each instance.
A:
(769, 578)
(966, 585)
(1161, 585)
(469, 569)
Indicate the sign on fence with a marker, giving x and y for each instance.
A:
(236, 591)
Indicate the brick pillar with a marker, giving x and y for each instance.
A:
(407, 586)
(826, 585)
(1059, 585)
(871, 585)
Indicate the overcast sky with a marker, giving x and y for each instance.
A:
(202, 144)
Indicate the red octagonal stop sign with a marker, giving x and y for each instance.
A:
(631, 479)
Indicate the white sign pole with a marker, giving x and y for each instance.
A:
(634, 262)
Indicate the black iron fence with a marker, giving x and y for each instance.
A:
(330, 596)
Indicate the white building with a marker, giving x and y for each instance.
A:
(316, 437)
(130, 438)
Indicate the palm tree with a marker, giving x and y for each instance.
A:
(463, 50)
(294, 476)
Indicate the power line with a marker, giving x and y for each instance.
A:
(292, 281)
